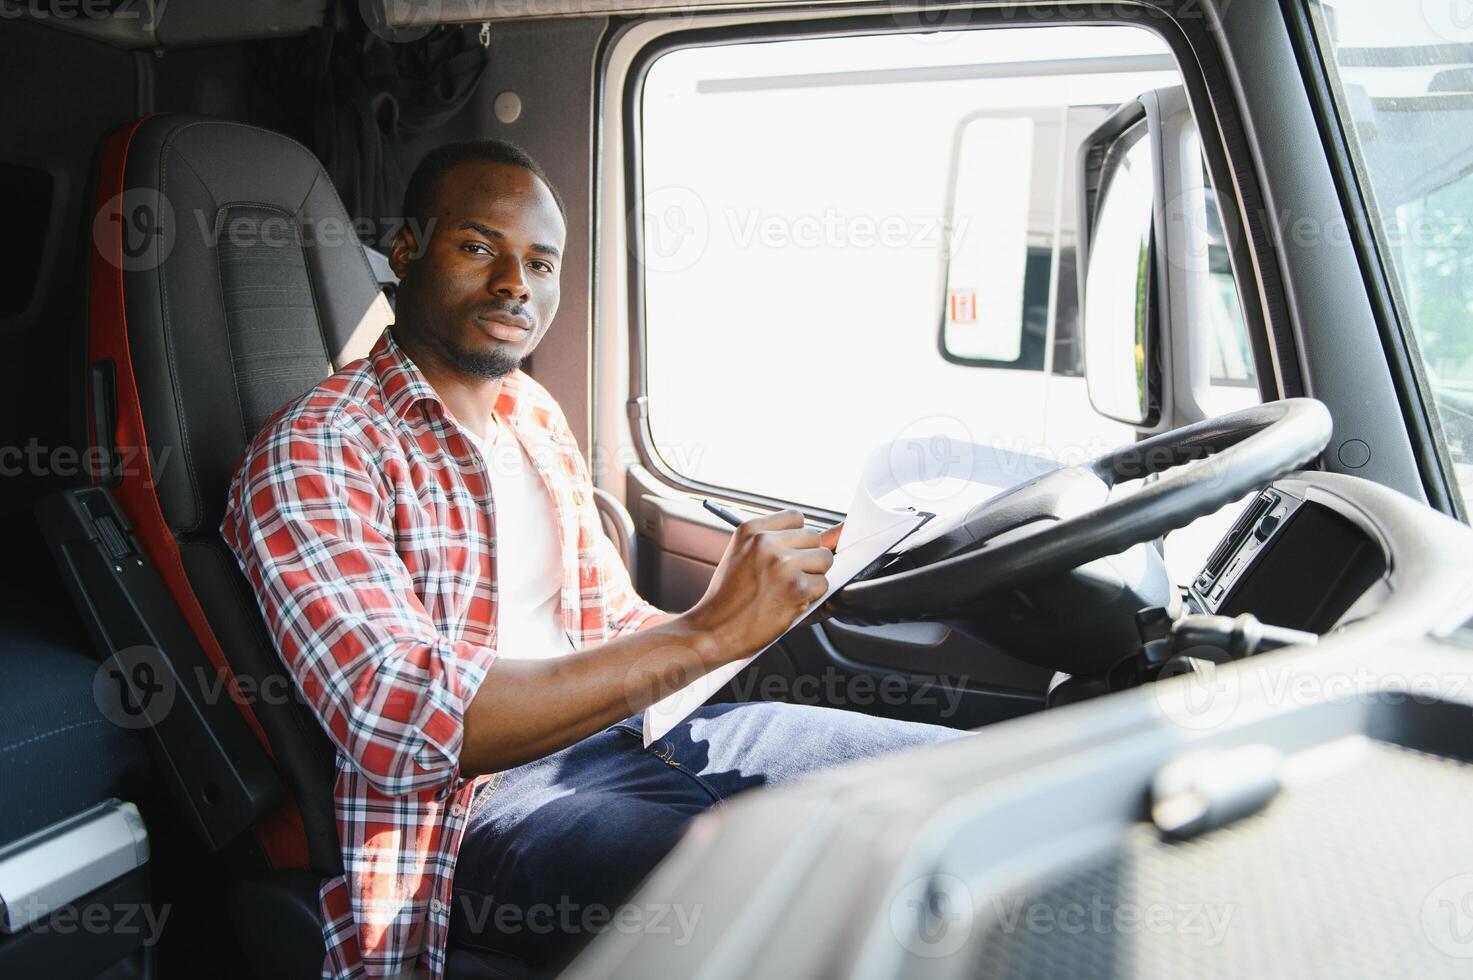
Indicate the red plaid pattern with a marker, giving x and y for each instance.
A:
(361, 514)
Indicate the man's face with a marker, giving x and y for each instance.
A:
(485, 289)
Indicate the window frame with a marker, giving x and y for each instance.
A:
(1275, 367)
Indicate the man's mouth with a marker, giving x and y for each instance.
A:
(504, 326)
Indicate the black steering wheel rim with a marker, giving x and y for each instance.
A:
(1235, 453)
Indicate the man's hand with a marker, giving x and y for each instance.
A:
(773, 570)
(830, 537)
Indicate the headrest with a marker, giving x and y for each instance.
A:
(251, 288)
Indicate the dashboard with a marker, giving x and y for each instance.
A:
(1054, 810)
(1298, 556)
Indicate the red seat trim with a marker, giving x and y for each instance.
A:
(282, 834)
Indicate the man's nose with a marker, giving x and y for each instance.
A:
(509, 280)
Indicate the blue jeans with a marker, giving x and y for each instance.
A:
(554, 847)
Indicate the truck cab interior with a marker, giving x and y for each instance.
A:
(1163, 310)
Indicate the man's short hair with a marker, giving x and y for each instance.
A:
(424, 184)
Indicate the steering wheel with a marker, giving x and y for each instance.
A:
(1039, 529)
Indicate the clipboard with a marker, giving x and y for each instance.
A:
(863, 554)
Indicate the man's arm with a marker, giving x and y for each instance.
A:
(311, 523)
(312, 529)
(772, 571)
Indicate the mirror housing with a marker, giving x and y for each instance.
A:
(1121, 232)
(1174, 373)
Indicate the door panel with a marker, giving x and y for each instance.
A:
(937, 649)
(948, 684)
(679, 544)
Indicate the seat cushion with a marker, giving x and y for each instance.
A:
(58, 752)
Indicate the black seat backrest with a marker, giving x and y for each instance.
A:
(239, 284)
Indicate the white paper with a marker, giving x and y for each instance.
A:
(880, 516)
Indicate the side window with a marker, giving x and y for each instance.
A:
(853, 240)
(1225, 379)
(1231, 358)
(1403, 89)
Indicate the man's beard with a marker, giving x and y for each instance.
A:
(496, 362)
(431, 328)
(490, 364)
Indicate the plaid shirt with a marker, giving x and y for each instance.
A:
(361, 514)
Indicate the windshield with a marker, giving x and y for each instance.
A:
(1403, 79)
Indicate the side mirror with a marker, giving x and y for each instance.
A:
(1120, 203)
(998, 244)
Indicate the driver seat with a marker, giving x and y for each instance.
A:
(196, 334)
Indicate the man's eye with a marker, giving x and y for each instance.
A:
(468, 246)
(542, 267)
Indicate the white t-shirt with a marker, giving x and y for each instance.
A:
(529, 561)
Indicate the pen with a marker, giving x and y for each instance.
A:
(722, 512)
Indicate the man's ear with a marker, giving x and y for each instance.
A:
(403, 250)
